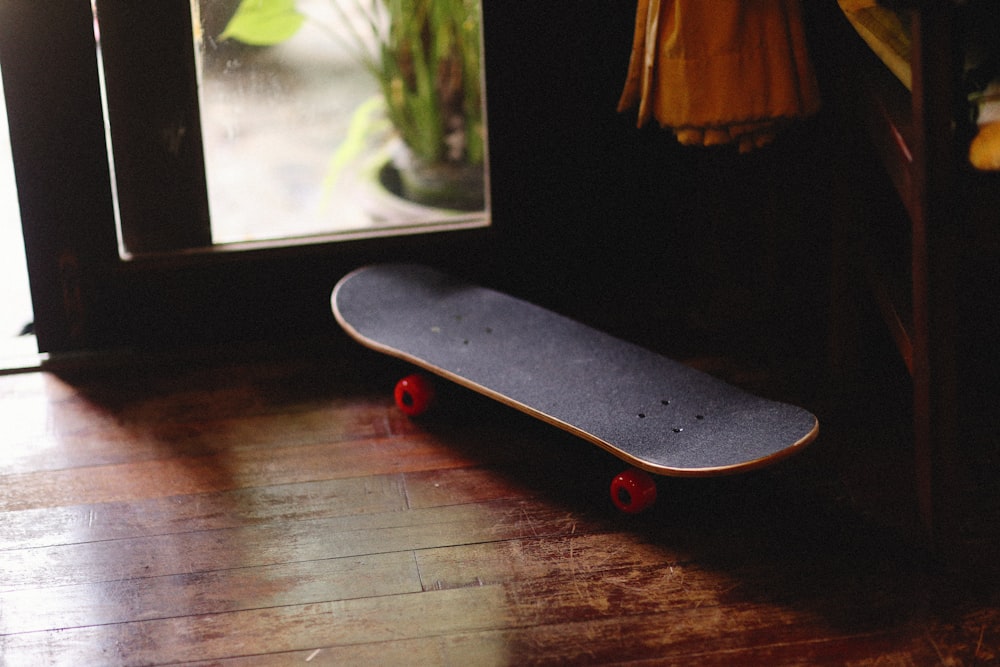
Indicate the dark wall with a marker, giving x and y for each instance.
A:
(624, 227)
(618, 226)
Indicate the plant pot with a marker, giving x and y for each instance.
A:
(457, 186)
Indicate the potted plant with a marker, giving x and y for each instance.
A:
(425, 56)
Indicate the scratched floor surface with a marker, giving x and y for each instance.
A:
(251, 510)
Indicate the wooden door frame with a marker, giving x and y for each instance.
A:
(85, 295)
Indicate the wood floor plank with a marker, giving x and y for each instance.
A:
(40, 609)
(569, 558)
(52, 608)
(505, 629)
(630, 572)
(249, 546)
(529, 646)
(107, 439)
(52, 526)
(59, 425)
(645, 641)
(420, 651)
(221, 471)
(452, 486)
(276, 629)
(282, 512)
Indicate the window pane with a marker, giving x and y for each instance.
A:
(15, 306)
(299, 138)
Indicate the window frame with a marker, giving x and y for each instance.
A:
(85, 295)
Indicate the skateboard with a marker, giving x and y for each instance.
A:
(656, 414)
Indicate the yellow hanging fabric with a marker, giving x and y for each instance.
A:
(725, 71)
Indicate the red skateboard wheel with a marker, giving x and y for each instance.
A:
(633, 491)
(414, 394)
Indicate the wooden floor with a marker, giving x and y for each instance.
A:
(272, 510)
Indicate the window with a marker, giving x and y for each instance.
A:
(174, 283)
(260, 132)
(301, 121)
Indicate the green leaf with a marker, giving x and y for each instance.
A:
(264, 22)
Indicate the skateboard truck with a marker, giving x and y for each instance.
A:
(632, 491)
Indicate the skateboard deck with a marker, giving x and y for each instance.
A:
(654, 413)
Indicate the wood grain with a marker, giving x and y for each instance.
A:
(269, 511)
